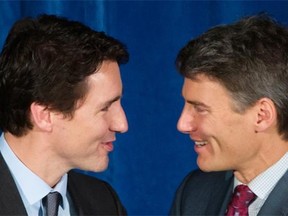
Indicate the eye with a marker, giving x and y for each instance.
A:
(200, 109)
(105, 109)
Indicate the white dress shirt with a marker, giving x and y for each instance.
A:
(30, 186)
(264, 183)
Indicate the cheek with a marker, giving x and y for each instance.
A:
(84, 132)
(207, 124)
(97, 128)
(88, 126)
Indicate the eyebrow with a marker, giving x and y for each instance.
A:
(112, 100)
(197, 103)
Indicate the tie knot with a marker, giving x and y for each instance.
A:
(51, 203)
(243, 196)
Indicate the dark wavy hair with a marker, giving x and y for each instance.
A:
(47, 60)
(248, 57)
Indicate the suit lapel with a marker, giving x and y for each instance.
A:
(74, 208)
(230, 180)
(10, 200)
(93, 196)
(218, 195)
(78, 203)
(277, 201)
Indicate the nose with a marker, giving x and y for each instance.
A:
(119, 122)
(186, 123)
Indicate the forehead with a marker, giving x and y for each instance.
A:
(105, 83)
(205, 89)
(107, 76)
(107, 69)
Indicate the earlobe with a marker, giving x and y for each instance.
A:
(266, 114)
(40, 116)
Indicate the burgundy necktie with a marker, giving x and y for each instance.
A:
(241, 199)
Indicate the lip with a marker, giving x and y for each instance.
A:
(200, 145)
(197, 140)
(198, 149)
(108, 145)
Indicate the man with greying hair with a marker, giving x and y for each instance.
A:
(236, 112)
(60, 91)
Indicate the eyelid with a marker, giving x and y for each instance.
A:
(108, 104)
(106, 108)
(199, 108)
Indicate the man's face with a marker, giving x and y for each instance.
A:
(85, 140)
(224, 139)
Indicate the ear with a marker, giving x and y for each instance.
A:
(40, 116)
(266, 114)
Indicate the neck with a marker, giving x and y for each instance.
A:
(34, 152)
(262, 161)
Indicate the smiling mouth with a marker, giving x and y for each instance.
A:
(108, 146)
(200, 143)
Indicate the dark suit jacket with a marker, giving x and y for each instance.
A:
(89, 195)
(209, 193)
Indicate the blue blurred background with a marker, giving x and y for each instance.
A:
(152, 158)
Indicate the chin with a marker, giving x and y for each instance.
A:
(205, 167)
(100, 166)
(101, 169)
(95, 169)
(96, 165)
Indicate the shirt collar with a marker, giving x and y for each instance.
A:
(31, 185)
(264, 183)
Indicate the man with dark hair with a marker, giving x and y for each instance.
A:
(236, 112)
(60, 91)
